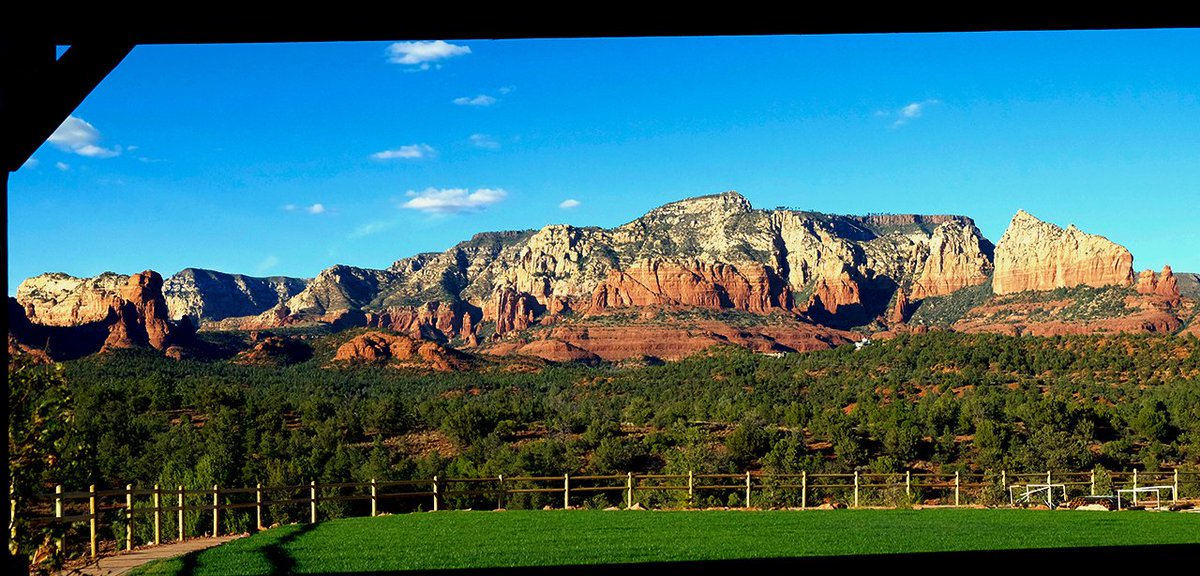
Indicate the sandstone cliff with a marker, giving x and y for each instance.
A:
(400, 351)
(208, 296)
(57, 299)
(715, 252)
(1036, 255)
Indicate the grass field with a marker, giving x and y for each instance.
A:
(539, 538)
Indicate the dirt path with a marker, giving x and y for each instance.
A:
(126, 561)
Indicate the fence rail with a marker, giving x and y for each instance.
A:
(118, 508)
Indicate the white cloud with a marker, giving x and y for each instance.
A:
(420, 54)
(289, 207)
(412, 152)
(480, 100)
(370, 228)
(62, 166)
(30, 163)
(77, 136)
(317, 208)
(569, 203)
(911, 110)
(453, 200)
(267, 263)
(484, 141)
(507, 89)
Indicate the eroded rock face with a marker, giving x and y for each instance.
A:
(1036, 255)
(140, 315)
(1163, 285)
(58, 299)
(400, 350)
(900, 309)
(208, 296)
(959, 257)
(746, 286)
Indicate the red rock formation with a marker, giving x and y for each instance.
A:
(557, 351)
(139, 317)
(438, 320)
(614, 342)
(746, 286)
(834, 295)
(400, 350)
(1164, 286)
(1035, 255)
(513, 311)
(899, 313)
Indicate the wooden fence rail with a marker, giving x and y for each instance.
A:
(118, 508)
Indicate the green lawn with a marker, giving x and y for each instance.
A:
(533, 538)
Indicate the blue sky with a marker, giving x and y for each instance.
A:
(288, 158)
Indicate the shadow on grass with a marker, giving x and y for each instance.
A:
(1099, 559)
(281, 562)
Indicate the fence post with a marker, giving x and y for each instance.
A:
(181, 535)
(157, 515)
(312, 502)
(691, 489)
(58, 512)
(1093, 488)
(1047, 477)
(435, 493)
(216, 513)
(856, 488)
(1175, 488)
(747, 489)
(128, 517)
(1135, 486)
(258, 500)
(500, 494)
(92, 516)
(908, 483)
(566, 491)
(629, 489)
(956, 487)
(374, 495)
(804, 489)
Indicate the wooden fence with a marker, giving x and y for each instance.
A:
(163, 510)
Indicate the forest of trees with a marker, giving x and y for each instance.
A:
(937, 402)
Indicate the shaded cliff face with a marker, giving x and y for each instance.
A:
(714, 252)
(1037, 255)
(134, 315)
(208, 296)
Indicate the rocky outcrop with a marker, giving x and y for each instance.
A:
(401, 351)
(57, 299)
(208, 296)
(958, 257)
(436, 320)
(139, 315)
(746, 286)
(1036, 255)
(900, 309)
(1163, 285)
(272, 350)
(514, 311)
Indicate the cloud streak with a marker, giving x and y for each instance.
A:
(452, 200)
(410, 152)
(78, 136)
(569, 203)
(420, 55)
(478, 101)
(484, 141)
(909, 111)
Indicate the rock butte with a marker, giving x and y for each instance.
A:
(1036, 255)
(809, 275)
